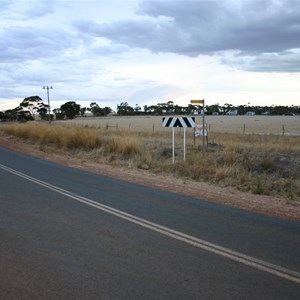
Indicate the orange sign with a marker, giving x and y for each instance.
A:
(197, 101)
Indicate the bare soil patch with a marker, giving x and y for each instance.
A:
(274, 206)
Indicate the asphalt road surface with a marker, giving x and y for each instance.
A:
(70, 234)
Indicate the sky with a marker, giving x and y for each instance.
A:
(241, 52)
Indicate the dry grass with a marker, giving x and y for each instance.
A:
(262, 164)
(58, 136)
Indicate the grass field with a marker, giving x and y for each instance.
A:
(288, 125)
(248, 153)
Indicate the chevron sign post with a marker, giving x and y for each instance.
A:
(173, 122)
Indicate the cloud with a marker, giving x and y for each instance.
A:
(249, 26)
(265, 29)
(26, 10)
(286, 60)
(96, 49)
(39, 9)
(23, 43)
(5, 4)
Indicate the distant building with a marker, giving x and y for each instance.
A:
(232, 113)
(250, 113)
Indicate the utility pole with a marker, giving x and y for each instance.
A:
(48, 88)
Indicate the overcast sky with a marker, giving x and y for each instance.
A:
(150, 51)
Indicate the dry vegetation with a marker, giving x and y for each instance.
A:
(261, 164)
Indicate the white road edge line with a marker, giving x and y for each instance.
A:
(199, 243)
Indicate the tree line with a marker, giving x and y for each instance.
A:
(33, 106)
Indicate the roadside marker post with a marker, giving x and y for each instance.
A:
(173, 122)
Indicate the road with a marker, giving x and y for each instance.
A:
(70, 234)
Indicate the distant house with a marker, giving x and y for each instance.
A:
(250, 113)
(232, 113)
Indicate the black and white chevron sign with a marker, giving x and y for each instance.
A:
(178, 121)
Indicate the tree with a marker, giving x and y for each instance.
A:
(43, 111)
(161, 108)
(146, 109)
(95, 109)
(58, 114)
(70, 109)
(211, 109)
(34, 104)
(242, 109)
(124, 109)
(179, 110)
(170, 109)
(190, 109)
(11, 114)
(106, 110)
(227, 108)
(280, 110)
(153, 109)
(137, 109)
(24, 116)
(83, 111)
(295, 110)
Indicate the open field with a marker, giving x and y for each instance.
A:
(288, 125)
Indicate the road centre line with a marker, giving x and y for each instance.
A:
(191, 240)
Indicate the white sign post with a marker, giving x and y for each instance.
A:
(173, 145)
(184, 142)
(178, 122)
